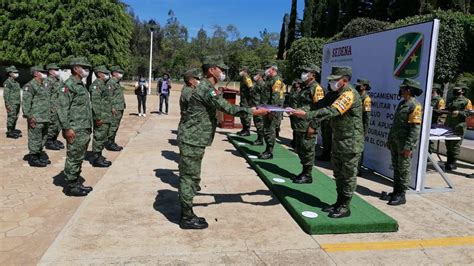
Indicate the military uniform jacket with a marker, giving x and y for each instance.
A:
(304, 99)
(74, 108)
(245, 89)
(458, 123)
(54, 86)
(198, 125)
(256, 93)
(345, 115)
(405, 130)
(437, 103)
(11, 92)
(186, 94)
(101, 101)
(36, 101)
(274, 91)
(118, 99)
(366, 109)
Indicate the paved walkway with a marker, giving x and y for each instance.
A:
(132, 214)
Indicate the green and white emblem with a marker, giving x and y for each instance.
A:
(408, 55)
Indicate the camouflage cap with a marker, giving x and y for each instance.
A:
(101, 69)
(338, 72)
(461, 86)
(260, 72)
(11, 69)
(297, 81)
(116, 69)
(411, 83)
(52, 66)
(79, 61)
(436, 86)
(215, 60)
(270, 64)
(244, 68)
(365, 82)
(38, 68)
(311, 68)
(191, 73)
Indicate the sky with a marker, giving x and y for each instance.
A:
(249, 16)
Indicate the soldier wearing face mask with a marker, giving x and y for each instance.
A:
(101, 115)
(75, 117)
(345, 114)
(274, 94)
(12, 98)
(256, 100)
(191, 79)
(305, 137)
(37, 110)
(246, 86)
(118, 106)
(54, 85)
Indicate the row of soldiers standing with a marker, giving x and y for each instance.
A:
(51, 106)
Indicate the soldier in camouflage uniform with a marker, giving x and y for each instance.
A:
(459, 106)
(53, 84)
(345, 114)
(256, 100)
(246, 86)
(438, 104)
(273, 94)
(196, 131)
(362, 86)
(191, 80)
(118, 106)
(305, 137)
(12, 98)
(292, 100)
(101, 115)
(37, 109)
(75, 117)
(402, 139)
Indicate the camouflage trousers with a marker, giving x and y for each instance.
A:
(12, 116)
(246, 119)
(54, 127)
(100, 137)
(345, 172)
(189, 174)
(453, 147)
(270, 124)
(401, 168)
(114, 126)
(305, 147)
(37, 137)
(76, 152)
(258, 122)
(326, 134)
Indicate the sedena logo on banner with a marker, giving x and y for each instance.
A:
(386, 58)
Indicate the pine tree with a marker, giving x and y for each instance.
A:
(292, 25)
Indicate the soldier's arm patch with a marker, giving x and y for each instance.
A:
(65, 89)
(367, 104)
(468, 105)
(26, 88)
(415, 116)
(344, 102)
(441, 104)
(214, 92)
(248, 82)
(318, 94)
(277, 86)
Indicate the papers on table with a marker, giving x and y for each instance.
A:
(438, 131)
(273, 108)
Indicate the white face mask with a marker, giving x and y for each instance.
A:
(198, 82)
(55, 73)
(255, 78)
(119, 75)
(106, 76)
(304, 77)
(222, 76)
(334, 85)
(15, 75)
(242, 73)
(85, 73)
(43, 75)
(267, 72)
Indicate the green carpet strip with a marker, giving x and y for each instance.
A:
(277, 174)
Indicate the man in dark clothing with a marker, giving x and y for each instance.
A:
(164, 87)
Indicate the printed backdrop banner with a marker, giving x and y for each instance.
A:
(386, 58)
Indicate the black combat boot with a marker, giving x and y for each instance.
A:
(112, 146)
(189, 220)
(258, 141)
(51, 145)
(105, 159)
(397, 199)
(12, 135)
(77, 190)
(59, 144)
(35, 161)
(450, 165)
(305, 177)
(244, 132)
(44, 158)
(17, 131)
(343, 210)
(334, 206)
(267, 154)
(98, 160)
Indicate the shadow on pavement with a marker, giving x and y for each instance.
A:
(167, 203)
(275, 169)
(59, 180)
(173, 142)
(301, 196)
(237, 198)
(168, 176)
(170, 155)
(134, 114)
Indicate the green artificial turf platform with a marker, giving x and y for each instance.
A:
(285, 164)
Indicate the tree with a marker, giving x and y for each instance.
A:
(283, 35)
(307, 23)
(292, 25)
(360, 26)
(41, 32)
(303, 51)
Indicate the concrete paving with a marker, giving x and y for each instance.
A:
(131, 216)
